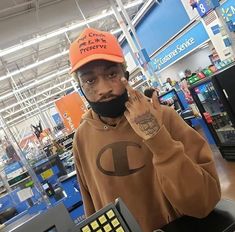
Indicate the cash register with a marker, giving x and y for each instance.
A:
(117, 218)
(55, 219)
(112, 218)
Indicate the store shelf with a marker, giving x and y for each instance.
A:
(217, 113)
(226, 128)
(16, 176)
(20, 181)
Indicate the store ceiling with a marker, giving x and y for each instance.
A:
(37, 74)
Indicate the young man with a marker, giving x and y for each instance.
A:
(131, 148)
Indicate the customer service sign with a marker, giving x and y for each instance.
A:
(189, 41)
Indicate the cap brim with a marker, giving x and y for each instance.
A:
(93, 57)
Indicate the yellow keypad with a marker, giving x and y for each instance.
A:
(94, 225)
(115, 222)
(102, 219)
(107, 228)
(120, 229)
(110, 214)
(86, 229)
(107, 221)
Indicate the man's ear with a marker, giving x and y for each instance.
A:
(75, 77)
(126, 75)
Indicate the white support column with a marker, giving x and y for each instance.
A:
(135, 51)
(129, 23)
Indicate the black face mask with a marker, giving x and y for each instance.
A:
(111, 109)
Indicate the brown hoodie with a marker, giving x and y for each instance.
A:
(160, 179)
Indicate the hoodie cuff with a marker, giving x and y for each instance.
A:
(162, 145)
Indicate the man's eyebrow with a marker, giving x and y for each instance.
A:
(81, 74)
(110, 66)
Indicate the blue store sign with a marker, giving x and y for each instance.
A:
(228, 10)
(56, 117)
(185, 44)
(205, 6)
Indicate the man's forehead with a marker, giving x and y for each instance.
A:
(98, 64)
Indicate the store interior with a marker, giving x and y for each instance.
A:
(41, 104)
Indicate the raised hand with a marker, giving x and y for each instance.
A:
(144, 117)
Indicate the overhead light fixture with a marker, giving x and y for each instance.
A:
(36, 82)
(62, 30)
(34, 65)
(21, 109)
(28, 113)
(36, 95)
(118, 30)
(38, 63)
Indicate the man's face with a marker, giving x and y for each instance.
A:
(101, 80)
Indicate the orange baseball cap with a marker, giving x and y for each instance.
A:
(94, 45)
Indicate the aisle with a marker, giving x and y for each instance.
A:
(226, 171)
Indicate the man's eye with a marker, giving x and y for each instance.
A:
(112, 75)
(90, 82)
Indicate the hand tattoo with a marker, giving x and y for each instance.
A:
(147, 123)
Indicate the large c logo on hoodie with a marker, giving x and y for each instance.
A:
(120, 159)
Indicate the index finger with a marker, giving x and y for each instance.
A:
(127, 86)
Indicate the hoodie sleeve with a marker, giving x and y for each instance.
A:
(87, 201)
(185, 166)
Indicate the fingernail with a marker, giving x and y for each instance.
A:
(123, 79)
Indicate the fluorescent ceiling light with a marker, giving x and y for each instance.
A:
(41, 38)
(36, 95)
(28, 107)
(37, 63)
(34, 65)
(29, 116)
(35, 83)
(28, 113)
(116, 31)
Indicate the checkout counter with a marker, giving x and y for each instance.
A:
(221, 219)
(116, 217)
(59, 187)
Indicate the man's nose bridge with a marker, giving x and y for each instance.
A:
(104, 85)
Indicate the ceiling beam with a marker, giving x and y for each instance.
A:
(62, 30)
(35, 103)
(33, 65)
(15, 6)
(35, 83)
(28, 116)
(36, 95)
